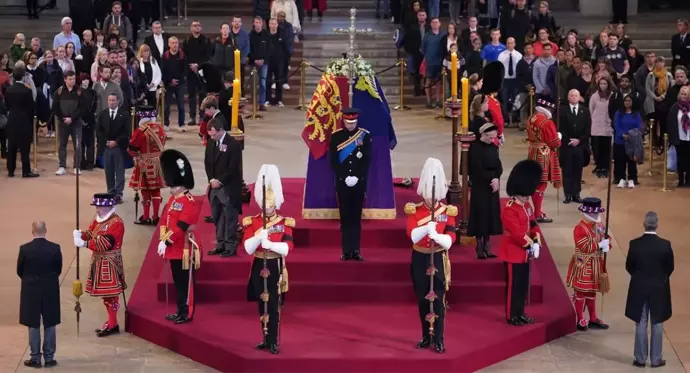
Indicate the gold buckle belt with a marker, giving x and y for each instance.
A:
(262, 254)
(107, 254)
(427, 250)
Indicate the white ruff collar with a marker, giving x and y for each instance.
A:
(544, 111)
(106, 216)
(592, 219)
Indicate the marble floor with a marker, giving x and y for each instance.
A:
(276, 139)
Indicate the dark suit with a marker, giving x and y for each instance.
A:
(155, 53)
(39, 266)
(20, 105)
(117, 130)
(680, 50)
(352, 162)
(222, 162)
(574, 126)
(650, 265)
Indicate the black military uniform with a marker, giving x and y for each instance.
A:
(350, 156)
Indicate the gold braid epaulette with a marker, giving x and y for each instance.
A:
(451, 210)
(247, 221)
(410, 208)
(289, 222)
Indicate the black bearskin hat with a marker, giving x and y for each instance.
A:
(524, 178)
(212, 79)
(177, 171)
(492, 77)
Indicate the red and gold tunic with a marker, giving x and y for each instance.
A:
(106, 273)
(519, 232)
(496, 113)
(145, 145)
(279, 230)
(419, 215)
(543, 147)
(587, 263)
(180, 215)
(203, 129)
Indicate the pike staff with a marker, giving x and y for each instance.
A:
(264, 271)
(77, 287)
(431, 271)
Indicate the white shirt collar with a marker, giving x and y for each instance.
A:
(215, 114)
(473, 29)
(222, 138)
(646, 232)
(104, 84)
(158, 36)
(113, 111)
(573, 106)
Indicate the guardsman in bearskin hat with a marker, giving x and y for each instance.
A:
(586, 268)
(177, 243)
(431, 226)
(268, 237)
(521, 241)
(544, 143)
(492, 82)
(106, 272)
(350, 157)
(145, 146)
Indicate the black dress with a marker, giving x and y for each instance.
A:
(485, 205)
(476, 123)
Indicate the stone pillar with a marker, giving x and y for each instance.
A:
(602, 8)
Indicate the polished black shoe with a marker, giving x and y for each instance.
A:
(216, 252)
(155, 221)
(567, 200)
(638, 364)
(262, 346)
(32, 364)
(273, 348)
(582, 328)
(345, 256)
(142, 221)
(182, 320)
(481, 255)
(356, 256)
(50, 363)
(424, 343)
(228, 253)
(526, 320)
(107, 332)
(598, 324)
(30, 174)
(577, 199)
(208, 219)
(544, 219)
(660, 364)
(172, 317)
(515, 321)
(10, 174)
(439, 347)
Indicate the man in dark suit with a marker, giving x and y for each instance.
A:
(113, 136)
(19, 131)
(222, 161)
(680, 46)
(650, 264)
(39, 266)
(574, 124)
(413, 41)
(157, 41)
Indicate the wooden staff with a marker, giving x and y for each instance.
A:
(77, 289)
(604, 277)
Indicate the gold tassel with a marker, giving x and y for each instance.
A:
(446, 269)
(185, 259)
(197, 258)
(604, 284)
(77, 289)
(283, 286)
(163, 232)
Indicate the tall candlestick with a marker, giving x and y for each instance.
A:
(238, 65)
(465, 104)
(235, 103)
(454, 75)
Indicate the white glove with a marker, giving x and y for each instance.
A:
(76, 233)
(79, 57)
(605, 245)
(78, 242)
(354, 179)
(442, 240)
(502, 139)
(431, 229)
(266, 244)
(560, 136)
(348, 181)
(161, 248)
(263, 234)
(535, 250)
(201, 73)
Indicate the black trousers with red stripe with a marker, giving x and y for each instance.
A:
(184, 294)
(517, 286)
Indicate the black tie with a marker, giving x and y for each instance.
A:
(574, 111)
(510, 65)
(112, 114)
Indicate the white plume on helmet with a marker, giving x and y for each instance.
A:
(273, 183)
(433, 167)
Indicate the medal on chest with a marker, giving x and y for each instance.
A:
(358, 155)
(278, 228)
(442, 218)
(176, 206)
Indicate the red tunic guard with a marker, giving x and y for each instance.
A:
(496, 113)
(519, 232)
(544, 144)
(145, 146)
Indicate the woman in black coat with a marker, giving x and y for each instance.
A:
(678, 129)
(485, 205)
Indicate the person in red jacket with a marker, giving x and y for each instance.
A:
(492, 83)
(268, 236)
(431, 227)
(106, 277)
(145, 146)
(587, 263)
(521, 241)
(177, 243)
(544, 144)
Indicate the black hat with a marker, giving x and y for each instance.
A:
(524, 178)
(350, 113)
(177, 171)
(103, 200)
(591, 205)
(546, 103)
(493, 74)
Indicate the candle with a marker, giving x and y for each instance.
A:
(454, 75)
(238, 65)
(465, 104)
(235, 103)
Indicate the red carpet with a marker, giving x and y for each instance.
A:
(347, 317)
